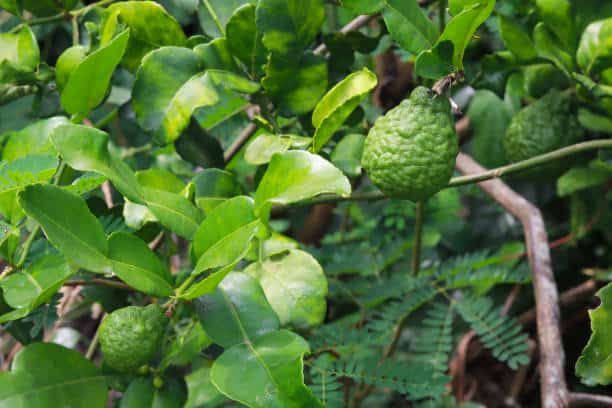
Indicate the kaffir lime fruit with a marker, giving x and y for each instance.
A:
(130, 337)
(545, 125)
(410, 152)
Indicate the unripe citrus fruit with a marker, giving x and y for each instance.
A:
(130, 337)
(410, 152)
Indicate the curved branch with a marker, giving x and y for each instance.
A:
(593, 400)
(552, 376)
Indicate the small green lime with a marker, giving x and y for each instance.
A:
(410, 152)
(545, 125)
(67, 63)
(130, 337)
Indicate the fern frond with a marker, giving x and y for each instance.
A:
(488, 276)
(434, 341)
(498, 333)
(384, 320)
(326, 386)
(465, 262)
(416, 380)
(396, 286)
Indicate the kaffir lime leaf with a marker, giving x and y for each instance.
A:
(130, 337)
(410, 152)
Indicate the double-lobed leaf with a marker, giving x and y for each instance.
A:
(29, 288)
(86, 149)
(19, 53)
(454, 40)
(338, 104)
(47, 375)
(223, 239)
(17, 174)
(87, 85)
(595, 363)
(409, 26)
(150, 27)
(137, 265)
(238, 317)
(289, 26)
(295, 287)
(173, 82)
(297, 175)
(68, 224)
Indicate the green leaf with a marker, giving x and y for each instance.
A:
(170, 86)
(150, 27)
(297, 175)
(289, 26)
(135, 264)
(558, 17)
(579, 178)
(295, 287)
(548, 47)
(595, 49)
(20, 49)
(489, 118)
(87, 85)
(363, 6)
(274, 364)
(47, 375)
(594, 121)
(263, 147)
(160, 179)
(199, 147)
(68, 224)
(408, 26)
(296, 85)
(244, 41)
(173, 211)
(202, 393)
(12, 6)
(215, 14)
(216, 54)
(67, 62)
(186, 345)
(338, 104)
(437, 62)
(347, 154)
(222, 240)
(213, 186)
(36, 284)
(86, 149)
(142, 394)
(595, 363)
(22, 172)
(33, 139)
(459, 31)
(516, 38)
(236, 310)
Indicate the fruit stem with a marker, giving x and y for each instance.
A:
(418, 234)
(442, 15)
(91, 350)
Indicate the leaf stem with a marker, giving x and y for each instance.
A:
(62, 16)
(132, 151)
(214, 16)
(91, 350)
(75, 30)
(26, 247)
(107, 119)
(418, 238)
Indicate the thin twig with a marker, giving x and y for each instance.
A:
(593, 400)
(93, 345)
(353, 25)
(552, 377)
(99, 282)
(418, 235)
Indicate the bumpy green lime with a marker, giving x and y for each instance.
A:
(130, 337)
(410, 152)
(545, 125)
